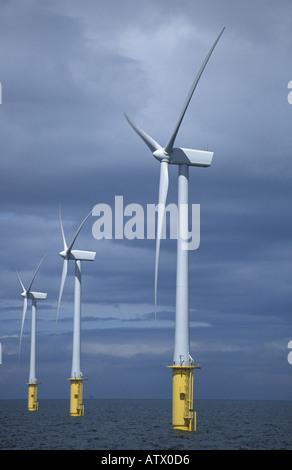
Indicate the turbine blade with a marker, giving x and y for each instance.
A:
(35, 274)
(62, 230)
(77, 233)
(151, 143)
(162, 196)
(63, 279)
(20, 282)
(168, 148)
(22, 322)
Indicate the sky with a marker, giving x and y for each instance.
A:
(69, 71)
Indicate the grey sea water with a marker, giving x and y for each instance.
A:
(145, 424)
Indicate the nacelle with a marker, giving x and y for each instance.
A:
(37, 295)
(82, 255)
(191, 157)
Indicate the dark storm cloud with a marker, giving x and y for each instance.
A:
(68, 73)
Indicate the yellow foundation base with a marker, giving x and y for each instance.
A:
(183, 415)
(32, 397)
(76, 397)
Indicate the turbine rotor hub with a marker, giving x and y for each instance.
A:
(161, 155)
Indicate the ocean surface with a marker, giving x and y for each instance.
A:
(145, 424)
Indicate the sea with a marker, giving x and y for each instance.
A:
(119, 427)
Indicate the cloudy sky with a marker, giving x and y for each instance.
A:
(69, 70)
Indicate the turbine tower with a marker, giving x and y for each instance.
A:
(34, 296)
(76, 388)
(183, 416)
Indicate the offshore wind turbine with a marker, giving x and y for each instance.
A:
(183, 416)
(76, 388)
(34, 296)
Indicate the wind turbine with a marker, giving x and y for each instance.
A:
(34, 296)
(183, 416)
(76, 389)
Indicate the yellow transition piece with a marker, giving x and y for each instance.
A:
(32, 397)
(76, 397)
(183, 415)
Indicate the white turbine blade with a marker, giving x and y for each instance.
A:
(163, 189)
(63, 279)
(22, 322)
(77, 233)
(20, 282)
(35, 274)
(151, 143)
(168, 148)
(62, 230)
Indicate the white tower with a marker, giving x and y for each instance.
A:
(183, 364)
(76, 394)
(34, 296)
